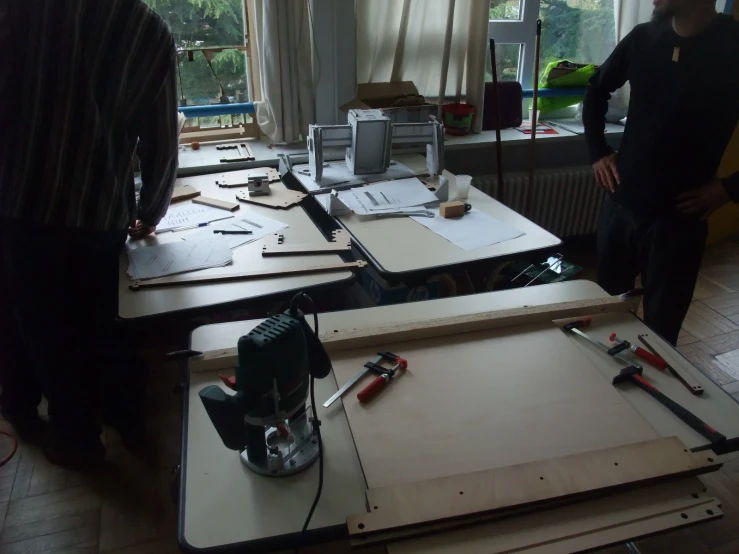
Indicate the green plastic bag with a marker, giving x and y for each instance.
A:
(578, 78)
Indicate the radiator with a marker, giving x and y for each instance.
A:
(564, 201)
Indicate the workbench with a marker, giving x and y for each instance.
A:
(399, 246)
(154, 302)
(225, 507)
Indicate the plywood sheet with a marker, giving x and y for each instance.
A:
(483, 400)
(550, 525)
(574, 528)
(530, 485)
(280, 197)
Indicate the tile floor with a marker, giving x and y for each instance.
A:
(126, 507)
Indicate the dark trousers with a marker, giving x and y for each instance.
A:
(58, 334)
(667, 251)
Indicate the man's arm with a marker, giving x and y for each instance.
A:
(157, 150)
(607, 79)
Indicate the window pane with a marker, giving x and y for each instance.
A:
(506, 58)
(581, 31)
(202, 23)
(505, 9)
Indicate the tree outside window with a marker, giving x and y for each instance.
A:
(198, 24)
(581, 31)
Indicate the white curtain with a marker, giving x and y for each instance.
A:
(282, 37)
(440, 45)
(629, 13)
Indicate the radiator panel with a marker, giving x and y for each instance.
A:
(564, 201)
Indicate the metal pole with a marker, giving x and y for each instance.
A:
(496, 106)
(535, 121)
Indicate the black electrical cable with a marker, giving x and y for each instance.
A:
(316, 422)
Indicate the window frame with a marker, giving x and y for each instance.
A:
(519, 31)
(251, 128)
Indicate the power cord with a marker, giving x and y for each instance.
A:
(7, 458)
(316, 422)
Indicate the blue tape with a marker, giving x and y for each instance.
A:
(212, 110)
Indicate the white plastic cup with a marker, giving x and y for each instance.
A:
(463, 186)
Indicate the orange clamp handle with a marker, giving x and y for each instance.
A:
(371, 390)
(650, 358)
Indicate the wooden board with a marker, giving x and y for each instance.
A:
(336, 340)
(184, 192)
(274, 245)
(481, 401)
(229, 180)
(577, 527)
(204, 135)
(549, 525)
(280, 198)
(528, 485)
(284, 272)
(216, 203)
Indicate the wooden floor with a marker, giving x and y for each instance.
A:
(126, 507)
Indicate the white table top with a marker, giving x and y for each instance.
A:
(300, 228)
(400, 245)
(220, 492)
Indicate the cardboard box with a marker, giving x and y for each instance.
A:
(399, 101)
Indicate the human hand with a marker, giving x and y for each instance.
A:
(139, 230)
(606, 172)
(704, 200)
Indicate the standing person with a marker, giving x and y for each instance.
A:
(683, 68)
(81, 82)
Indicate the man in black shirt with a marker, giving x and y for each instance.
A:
(683, 68)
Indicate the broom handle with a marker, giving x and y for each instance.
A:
(534, 107)
(496, 107)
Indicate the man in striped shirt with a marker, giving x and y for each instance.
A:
(83, 85)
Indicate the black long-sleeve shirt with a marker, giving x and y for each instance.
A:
(81, 82)
(683, 110)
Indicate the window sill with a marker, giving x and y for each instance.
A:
(207, 158)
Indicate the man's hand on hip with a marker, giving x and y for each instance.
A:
(606, 172)
(704, 200)
(139, 230)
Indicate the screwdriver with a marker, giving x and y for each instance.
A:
(645, 355)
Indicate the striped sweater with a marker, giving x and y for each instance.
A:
(84, 84)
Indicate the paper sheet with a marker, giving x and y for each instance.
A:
(474, 230)
(259, 225)
(178, 257)
(387, 197)
(337, 173)
(184, 215)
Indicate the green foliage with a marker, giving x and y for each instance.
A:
(582, 31)
(201, 23)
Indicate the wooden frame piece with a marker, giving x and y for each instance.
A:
(196, 134)
(243, 154)
(216, 203)
(274, 245)
(281, 198)
(596, 516)
(529, 485)
(284, 272)
(336, 340)
(184, 192)
(226, 180)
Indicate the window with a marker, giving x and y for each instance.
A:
(581, 31)
(211, 38)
